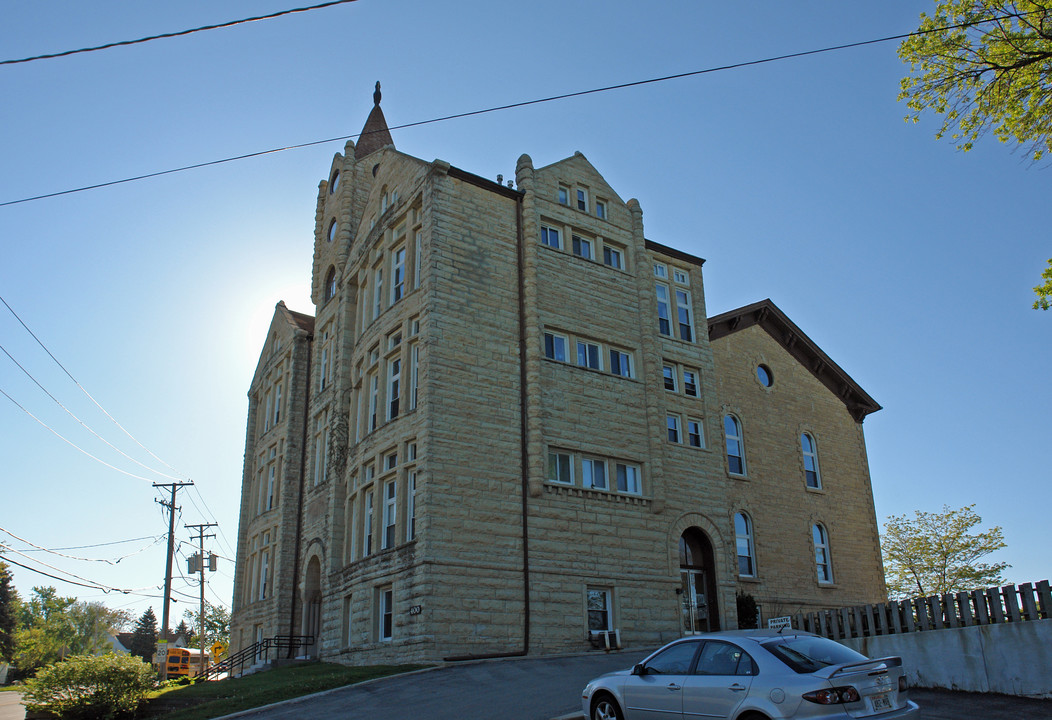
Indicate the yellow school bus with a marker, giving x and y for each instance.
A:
(185, 661)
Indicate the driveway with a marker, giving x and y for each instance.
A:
(11, 706)
(545, 688)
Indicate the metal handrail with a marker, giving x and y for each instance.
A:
(235, 664)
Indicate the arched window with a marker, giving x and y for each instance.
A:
(746, 550)
(822, 562)
(330, 284)
(810, 450)
(334, 182)
(732, 431)
(332, 231)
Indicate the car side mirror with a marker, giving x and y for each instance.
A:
(639, 669)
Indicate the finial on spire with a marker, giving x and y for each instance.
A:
(376, 94)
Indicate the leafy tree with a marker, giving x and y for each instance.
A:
(90, 687)
(93, 625)
(936, 553)
(45, 632)
(1044, 292)
(185, 630)
(9, 611)
(993, 74)
(143, 643)
(217, 622)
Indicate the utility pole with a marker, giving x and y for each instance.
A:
(168, 566)
(201, 566)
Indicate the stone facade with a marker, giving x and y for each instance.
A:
(503, 431)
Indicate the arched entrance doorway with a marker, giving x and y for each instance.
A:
(698, 583)
(312, 606)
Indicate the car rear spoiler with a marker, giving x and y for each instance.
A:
(877, 666)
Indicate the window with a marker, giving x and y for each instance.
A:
(743, 539)
(613, 257)
(267, 412)
(394, 340)
(588, 355)
(720, 658)
(555, 347)
(594, 473)
(669, 374)
(390, 461)
(277, 404)
(367, 522)
(394, 384)
(560, 467)
(690, 383)
(346, 634)
(564, 195)
(599, 615)
(374, 398)
(414, 374)
(378, 292)
(582, 200)
(386, 614)
(324, 365)
(321, 450)
(410, 506)
(664, 319)
(350, 548)
(334, 182)
(418, 255)
(807, 444)
(272, 473)
(672, 421)
(397, 275)
(550, 237)
(673, 660)
(680, 277)
(695, 434)
(763, 374)
(600, 209)
(683, 310)
(732, 431)
(621, 363)
(330, 284)
(582, 247)
(660, 271)
(627, 478)
(822, 563)
(390, 495)
(264, 569)
(331, 235)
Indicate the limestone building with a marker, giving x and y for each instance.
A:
(511, 425)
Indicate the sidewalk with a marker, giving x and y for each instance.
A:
(11, 706)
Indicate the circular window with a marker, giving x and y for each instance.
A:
(763, 374)
(334, 183)
(332, 231)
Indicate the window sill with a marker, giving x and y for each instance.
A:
(750, 579)
(608, 495)
(815, 490)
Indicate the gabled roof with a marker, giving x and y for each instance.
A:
(777, 324)
(303, 322)
(375, 134)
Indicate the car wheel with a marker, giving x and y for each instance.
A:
(606, 708)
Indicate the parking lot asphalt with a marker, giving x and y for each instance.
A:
(545, 688)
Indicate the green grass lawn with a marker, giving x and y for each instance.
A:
(11, 688)
(212, 699)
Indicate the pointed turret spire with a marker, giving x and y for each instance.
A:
(375, 134)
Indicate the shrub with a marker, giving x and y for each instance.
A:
(748, 613)
(90, 687)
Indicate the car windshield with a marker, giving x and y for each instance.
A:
(806, 654)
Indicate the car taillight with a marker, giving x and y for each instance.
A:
(833, 696)
(903, 687)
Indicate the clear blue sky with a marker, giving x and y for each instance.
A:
(910, 263)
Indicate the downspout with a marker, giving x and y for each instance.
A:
(523, 455)
(299, 503)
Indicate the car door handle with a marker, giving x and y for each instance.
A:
(674, 686)
(738, 687)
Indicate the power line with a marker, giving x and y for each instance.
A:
(115, 542)
(179, 33)
(71, 557)
(510, 106)
(94, 584)
(82, 423)
(83, 390)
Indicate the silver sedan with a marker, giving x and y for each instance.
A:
(753, 675)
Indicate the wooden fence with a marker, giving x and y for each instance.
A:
(1008, 604)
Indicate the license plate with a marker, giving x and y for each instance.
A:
(880, 703)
